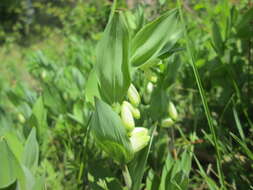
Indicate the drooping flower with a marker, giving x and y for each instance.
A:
(139, 138)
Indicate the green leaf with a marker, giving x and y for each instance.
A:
(110, 134)
(137, 166)
(211, 184)
(158, 104)
(186, 162)
(39, 184)
(114, 183)
(29, 178)
(243, 145)
(14, 144)
(78, 77)
(170, 74)
(243, 26)
(113, 60)
(166, 173)
(53, 100)
(40, 115)
(162, 2)
(92, 87)
(12, 186)
(139, 16)
(217, 38)
(238, 124)
(31, 151)
(152, 181)
(168, 50)
(10, 165)
(180, 181)
(150, 40)
(130, 20)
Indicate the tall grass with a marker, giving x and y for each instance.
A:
(191, 54)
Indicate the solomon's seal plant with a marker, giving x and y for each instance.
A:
(121, 52)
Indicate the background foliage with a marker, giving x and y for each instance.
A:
(48, 50)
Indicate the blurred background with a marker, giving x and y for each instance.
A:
(47, 49)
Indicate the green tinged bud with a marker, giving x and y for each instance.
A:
(116, 107)
(43, 74)
(21, 118)
(133, 95)
(153, 79)
(167, 122)
(151, 76)
(172, 111)
(127, 117)
(135, 111)
(150, 87)
(65, 96)
(139, 138)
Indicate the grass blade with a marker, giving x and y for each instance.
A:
(203, 98)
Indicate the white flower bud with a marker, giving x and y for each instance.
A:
(167, 122)
(172, 111)
(21, 118)
(150, 87)
(116, 107)
(139, 131)
(133, 95)
(135, 111)
(139, 138)
(43, 74)
(127, 117)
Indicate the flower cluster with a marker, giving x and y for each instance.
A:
(139, 137)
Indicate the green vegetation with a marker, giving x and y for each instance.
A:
(101, 96)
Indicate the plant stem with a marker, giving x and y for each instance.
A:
(127, 177)
(203, 98)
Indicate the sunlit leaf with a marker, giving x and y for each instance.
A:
(91, 89)
(11, 167)
(31, 151)
(150, 40)
(112, 60)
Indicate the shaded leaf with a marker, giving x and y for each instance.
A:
(158, 104)
(217, 38)
(12, 186)
(110, 134)
(91, 89)
(243, 25)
